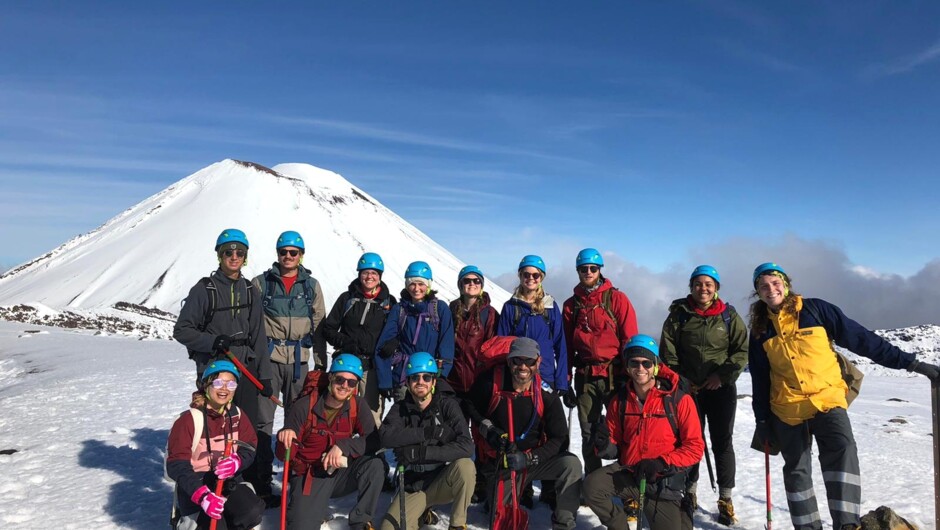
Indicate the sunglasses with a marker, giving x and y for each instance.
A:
(237, 253)
(519, 361)
(219, 384)
(532, 275)
(283, 252)
(417, 378)
(635, 363)
(343, 381)
(471, 281)
(584, 269)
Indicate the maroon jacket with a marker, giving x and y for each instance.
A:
(593, 338)
(476, 327)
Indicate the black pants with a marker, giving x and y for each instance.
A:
(261, 471)
(243, 510)
(718, 407)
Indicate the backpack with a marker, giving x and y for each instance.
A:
(270, 287)
(606, 297)
(433, 317)
(212, 309)
(850, 373)
(384, 303)
(492, 352)
(517, 316)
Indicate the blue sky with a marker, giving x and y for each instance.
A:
(658, 132)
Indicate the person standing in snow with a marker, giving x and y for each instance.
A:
(222, 313)
(293, 308)
(799, 393)
(431, 441)
(599, 321)
(195, 458)
(335, 451)
(356, 321)
(652, 429)
(705, 341)
(419, 322)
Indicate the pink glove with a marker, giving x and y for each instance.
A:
(227, 467)
(211, 503)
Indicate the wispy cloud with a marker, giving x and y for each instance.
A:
(905, 64)
(748, 53)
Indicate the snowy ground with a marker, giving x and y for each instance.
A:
(88, 417)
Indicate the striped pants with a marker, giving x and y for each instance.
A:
(838, 459)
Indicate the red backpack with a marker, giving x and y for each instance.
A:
(493, 352)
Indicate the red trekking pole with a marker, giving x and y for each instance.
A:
(767, 475)
(252, 378)
(284, 487)
(219, 483)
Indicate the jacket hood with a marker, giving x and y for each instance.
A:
(686, 304)
(549, 302)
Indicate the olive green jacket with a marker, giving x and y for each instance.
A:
(702, 345)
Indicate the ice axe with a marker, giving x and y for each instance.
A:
(254, 380)
(221, 482)
(935, 406)
(284, 487)
(767, 474)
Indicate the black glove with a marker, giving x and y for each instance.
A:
(440, 433)
(410, 454)
(569, 398)
(389, 348)
(266, 389)
(762, 432)
(650, 468)
(932, 371)
(601, 438)
(221, 343)
(517, 461)
(494, 436)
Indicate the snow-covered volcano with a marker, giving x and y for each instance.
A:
(152, 253)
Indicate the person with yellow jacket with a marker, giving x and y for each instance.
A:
(799, 393)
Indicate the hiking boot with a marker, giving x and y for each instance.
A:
(631, 507)
(428, 518)
(689, 504)
(368, 526)
(461, 527)
(726, 512)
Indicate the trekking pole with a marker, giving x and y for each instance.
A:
(254, 380)
(708, 461)
(767, 478)
(640, 504)
(284, 481)
(935, 406)
(403, 523)
(219, 483)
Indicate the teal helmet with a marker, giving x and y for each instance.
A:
(642, 346)
(370, 260)
(421, 363)
(347, 362)
(290, 239)
(706, 270)
(469, 269)
(532, 260)
(765, 268)
(220, 366)
(418, 269)
(589, 256)
(231, 235)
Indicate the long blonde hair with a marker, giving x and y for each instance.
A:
(538, 306)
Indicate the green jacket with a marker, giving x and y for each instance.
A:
(702, 345)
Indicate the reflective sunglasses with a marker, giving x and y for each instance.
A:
(584, 269)
(219, 384)
(283, 252)
(427, 378)
(635, 363)
(473, 281)
(532, 275)
(237, 253)
(343, 381)
(519, 361)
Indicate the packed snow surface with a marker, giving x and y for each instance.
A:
(88, 418)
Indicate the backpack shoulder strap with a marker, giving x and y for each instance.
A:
(495, 393)
(198, 421)
(669, 406)
(608, 305)
(726, 316)
(268, 289)
(211, 291)
(484, 317)
(516, 317)
(433, 316)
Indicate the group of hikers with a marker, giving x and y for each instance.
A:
(470, 401)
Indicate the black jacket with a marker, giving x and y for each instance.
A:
(355, 322)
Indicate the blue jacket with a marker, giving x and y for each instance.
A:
(435, 336)
(517, 319)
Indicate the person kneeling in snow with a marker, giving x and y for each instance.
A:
(653, 430)
(196, 457)
(336, 440)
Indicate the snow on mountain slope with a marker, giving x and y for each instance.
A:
(152, 253)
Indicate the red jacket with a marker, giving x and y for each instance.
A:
(646, 432)
(594, 339)
(476, 327)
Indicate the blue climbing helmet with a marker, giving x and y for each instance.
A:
(421, 362)
(290, 239)
(470, 269)
(347, 362)
(766, 268)
(706, 270)
(418, 269)
(220, 366)
(231, 235)
(589, 256)
(370, 260)
(532, 260)
(642, 346)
